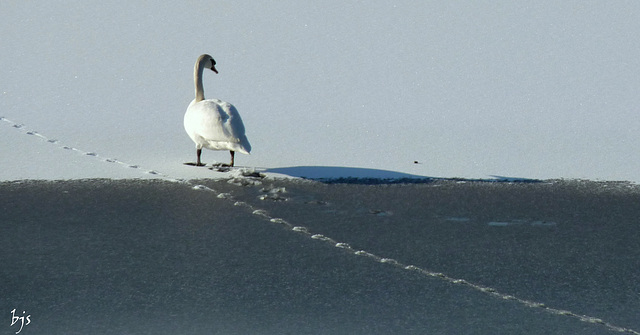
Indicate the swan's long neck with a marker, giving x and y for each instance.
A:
(197, 78)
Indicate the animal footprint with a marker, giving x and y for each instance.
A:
(273, 194)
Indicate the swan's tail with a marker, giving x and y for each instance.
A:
(244, 146)
(240, 145)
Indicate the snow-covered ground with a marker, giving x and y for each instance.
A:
(488, 113)
(543, 90)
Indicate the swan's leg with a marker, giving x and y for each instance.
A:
(198, 162)
(233, 153)
(198, 154)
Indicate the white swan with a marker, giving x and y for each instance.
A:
(212, 123)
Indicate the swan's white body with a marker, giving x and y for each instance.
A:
(213, 124)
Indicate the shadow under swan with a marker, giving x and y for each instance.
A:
(354, 175)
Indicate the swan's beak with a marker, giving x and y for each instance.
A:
(213, 68)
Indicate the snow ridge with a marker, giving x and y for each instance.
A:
(249, 177)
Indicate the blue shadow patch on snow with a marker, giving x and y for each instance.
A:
(515, 179)
(322, 172)
(354, 175)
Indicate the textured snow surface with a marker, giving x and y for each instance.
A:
(256, 255)
(536, 90)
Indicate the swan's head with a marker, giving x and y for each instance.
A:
(208, 62)
(213, 65)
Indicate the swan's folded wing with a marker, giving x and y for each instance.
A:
(221, 126)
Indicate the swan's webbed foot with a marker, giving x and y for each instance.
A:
(198, 162)
(230, 165)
